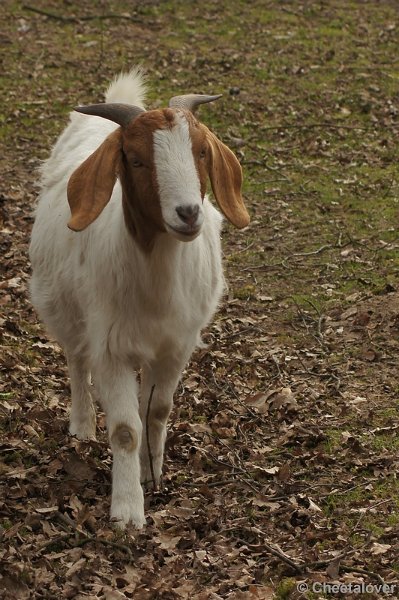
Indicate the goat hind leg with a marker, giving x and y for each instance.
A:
(82, 420)
(156, 400)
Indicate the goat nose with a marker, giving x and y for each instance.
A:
(188, 213)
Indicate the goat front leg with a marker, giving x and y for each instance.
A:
(82, 419)
(118, 391)
(159, 382)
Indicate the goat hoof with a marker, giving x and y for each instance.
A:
(123, 513)
(150, 478)
(83, 431)
(151, 486)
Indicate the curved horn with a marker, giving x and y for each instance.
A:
(191, 101)
(122, 114)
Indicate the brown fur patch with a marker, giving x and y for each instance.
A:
(160, 412)
(141, 206)
(125, 437)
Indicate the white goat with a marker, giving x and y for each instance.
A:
(135, 287)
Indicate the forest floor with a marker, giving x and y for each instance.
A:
(283, 448)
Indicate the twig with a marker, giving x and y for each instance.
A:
(55, 540)
(325, 247)
(87, 538)
(319, 314)
(234, 468)
(241, 332)
(354, 529)
(283, 262)
(283, 557)
(245, 481)
(278, 553)
(318, 564)
(350, 569)
(150, 459)
(65, 19)
(315, 125)
(265, 267)
(65, 520)
(221, 483)
(210, 484)
(291, 12)
(345, 491)
(305, 254)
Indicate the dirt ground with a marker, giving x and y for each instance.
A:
(283, 449)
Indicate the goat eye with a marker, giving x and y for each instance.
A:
(203, 153)
(136, 162)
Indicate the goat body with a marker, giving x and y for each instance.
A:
(137, 275)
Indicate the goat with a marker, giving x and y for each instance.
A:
(137, 274)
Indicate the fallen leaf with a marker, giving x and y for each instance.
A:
(110, 594)
(377, 548)
(284, 473)
(332, 570)
(46, 509)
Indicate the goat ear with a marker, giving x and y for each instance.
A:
(90, 186)
(226, 179)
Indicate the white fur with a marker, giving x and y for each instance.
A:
(177, 176)
(115, 309)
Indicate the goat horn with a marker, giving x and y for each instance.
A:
(122, 114)
(191, 101)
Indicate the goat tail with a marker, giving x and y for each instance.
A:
(128, 88)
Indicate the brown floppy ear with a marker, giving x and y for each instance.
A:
(90, 186)
(226, 179)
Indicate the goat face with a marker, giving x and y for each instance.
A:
(164, 155)
(163, 159)
(179, 156)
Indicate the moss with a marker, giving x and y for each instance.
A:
(6, 524)
(365, 497)
(246, 292)
(333, 440)
(285, 588)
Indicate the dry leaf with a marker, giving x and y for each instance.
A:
(282, 398)
(284, 473)
(377, 548)
(46, 509)
(110, 594)
(332, 570)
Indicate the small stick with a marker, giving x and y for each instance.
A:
(324, 563)
(64, 19)
(315, 125)
(313, 252)
(263, 545)
(148, 438)
(282, 557)
(371, 574)
(87, 538)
